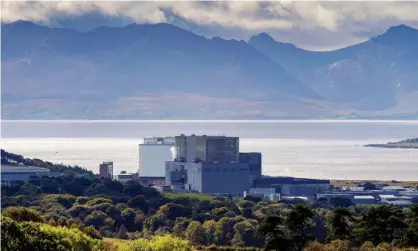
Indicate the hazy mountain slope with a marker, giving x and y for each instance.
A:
(109, 63)
(163, 71)
(371, 76)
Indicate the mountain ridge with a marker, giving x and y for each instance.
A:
(125, 64)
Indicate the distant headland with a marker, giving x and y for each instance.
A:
(408, 143)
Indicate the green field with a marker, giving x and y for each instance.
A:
(121, 244)
(172, 195)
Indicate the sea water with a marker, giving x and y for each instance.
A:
(314, 149)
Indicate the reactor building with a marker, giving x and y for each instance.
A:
(153, 153)
(212, 164)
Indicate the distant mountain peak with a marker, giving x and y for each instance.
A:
(401, 28)
(398, 35)
(22, 23)
(265, 38)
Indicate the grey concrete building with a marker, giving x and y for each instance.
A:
(365, 200)
(290, 186)
(207, 149)
(10, 174)
(255, 162)
(309, 190)
(218, 178)
(175, 173)
(106, 170)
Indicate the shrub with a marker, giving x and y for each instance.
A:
(23, 214)
(159, 243)
(36, 236)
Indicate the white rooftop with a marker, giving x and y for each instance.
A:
(393, 188)
(400, 202)
(158, 141)
(363, 197)
(387, 196)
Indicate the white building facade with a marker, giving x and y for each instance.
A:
(153, 153)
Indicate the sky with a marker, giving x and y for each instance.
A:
(310, 25)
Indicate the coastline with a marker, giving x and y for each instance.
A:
(401, 146)
(348, 183)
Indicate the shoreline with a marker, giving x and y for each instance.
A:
(392, 146)
(345, 183)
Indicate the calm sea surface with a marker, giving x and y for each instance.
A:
(317, 149)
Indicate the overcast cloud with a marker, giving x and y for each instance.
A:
(308, 24)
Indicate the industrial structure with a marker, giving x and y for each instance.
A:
(10, 174)
(208, 149)
(106, 170)
(125, 177)
(211, 164)
(291, 186)
(153, 153)
(254, 161)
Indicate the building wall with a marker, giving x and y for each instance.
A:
(255, 162)
(152, 159)
(180, 144)
(192, 152)
(302, 190)
(365, 201)
(175, 172)
(207, 148)
(222, 178)
(222, 149)
(147, 181)
(106, 170)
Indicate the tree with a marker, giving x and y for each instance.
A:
(340, 202)
(338, 224)
(157, 221)
(130, 220)
(224, 231)
(52, 222)
(133, 189)
(180, 226)
(244, 234)
(300, 223)
(139, 202)
(29, 190)
(159, 243)
(210, 228)
(23, 214)
(271, 228)
(122, 233)
(272, 209)
(252, 198)
(172, 211)
(36, 236)
(247, 213)
(79, 211)
(381, 224)
(98, 219)
(195, 233)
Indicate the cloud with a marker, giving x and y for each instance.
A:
(332, 24)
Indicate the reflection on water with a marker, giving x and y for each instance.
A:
(302, 149)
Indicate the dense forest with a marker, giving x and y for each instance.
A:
(88, 209)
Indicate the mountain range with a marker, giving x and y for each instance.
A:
(161, 71)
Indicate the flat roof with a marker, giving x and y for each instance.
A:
(23, 169)
(364, 197)
(394, 188)
(387, 196)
